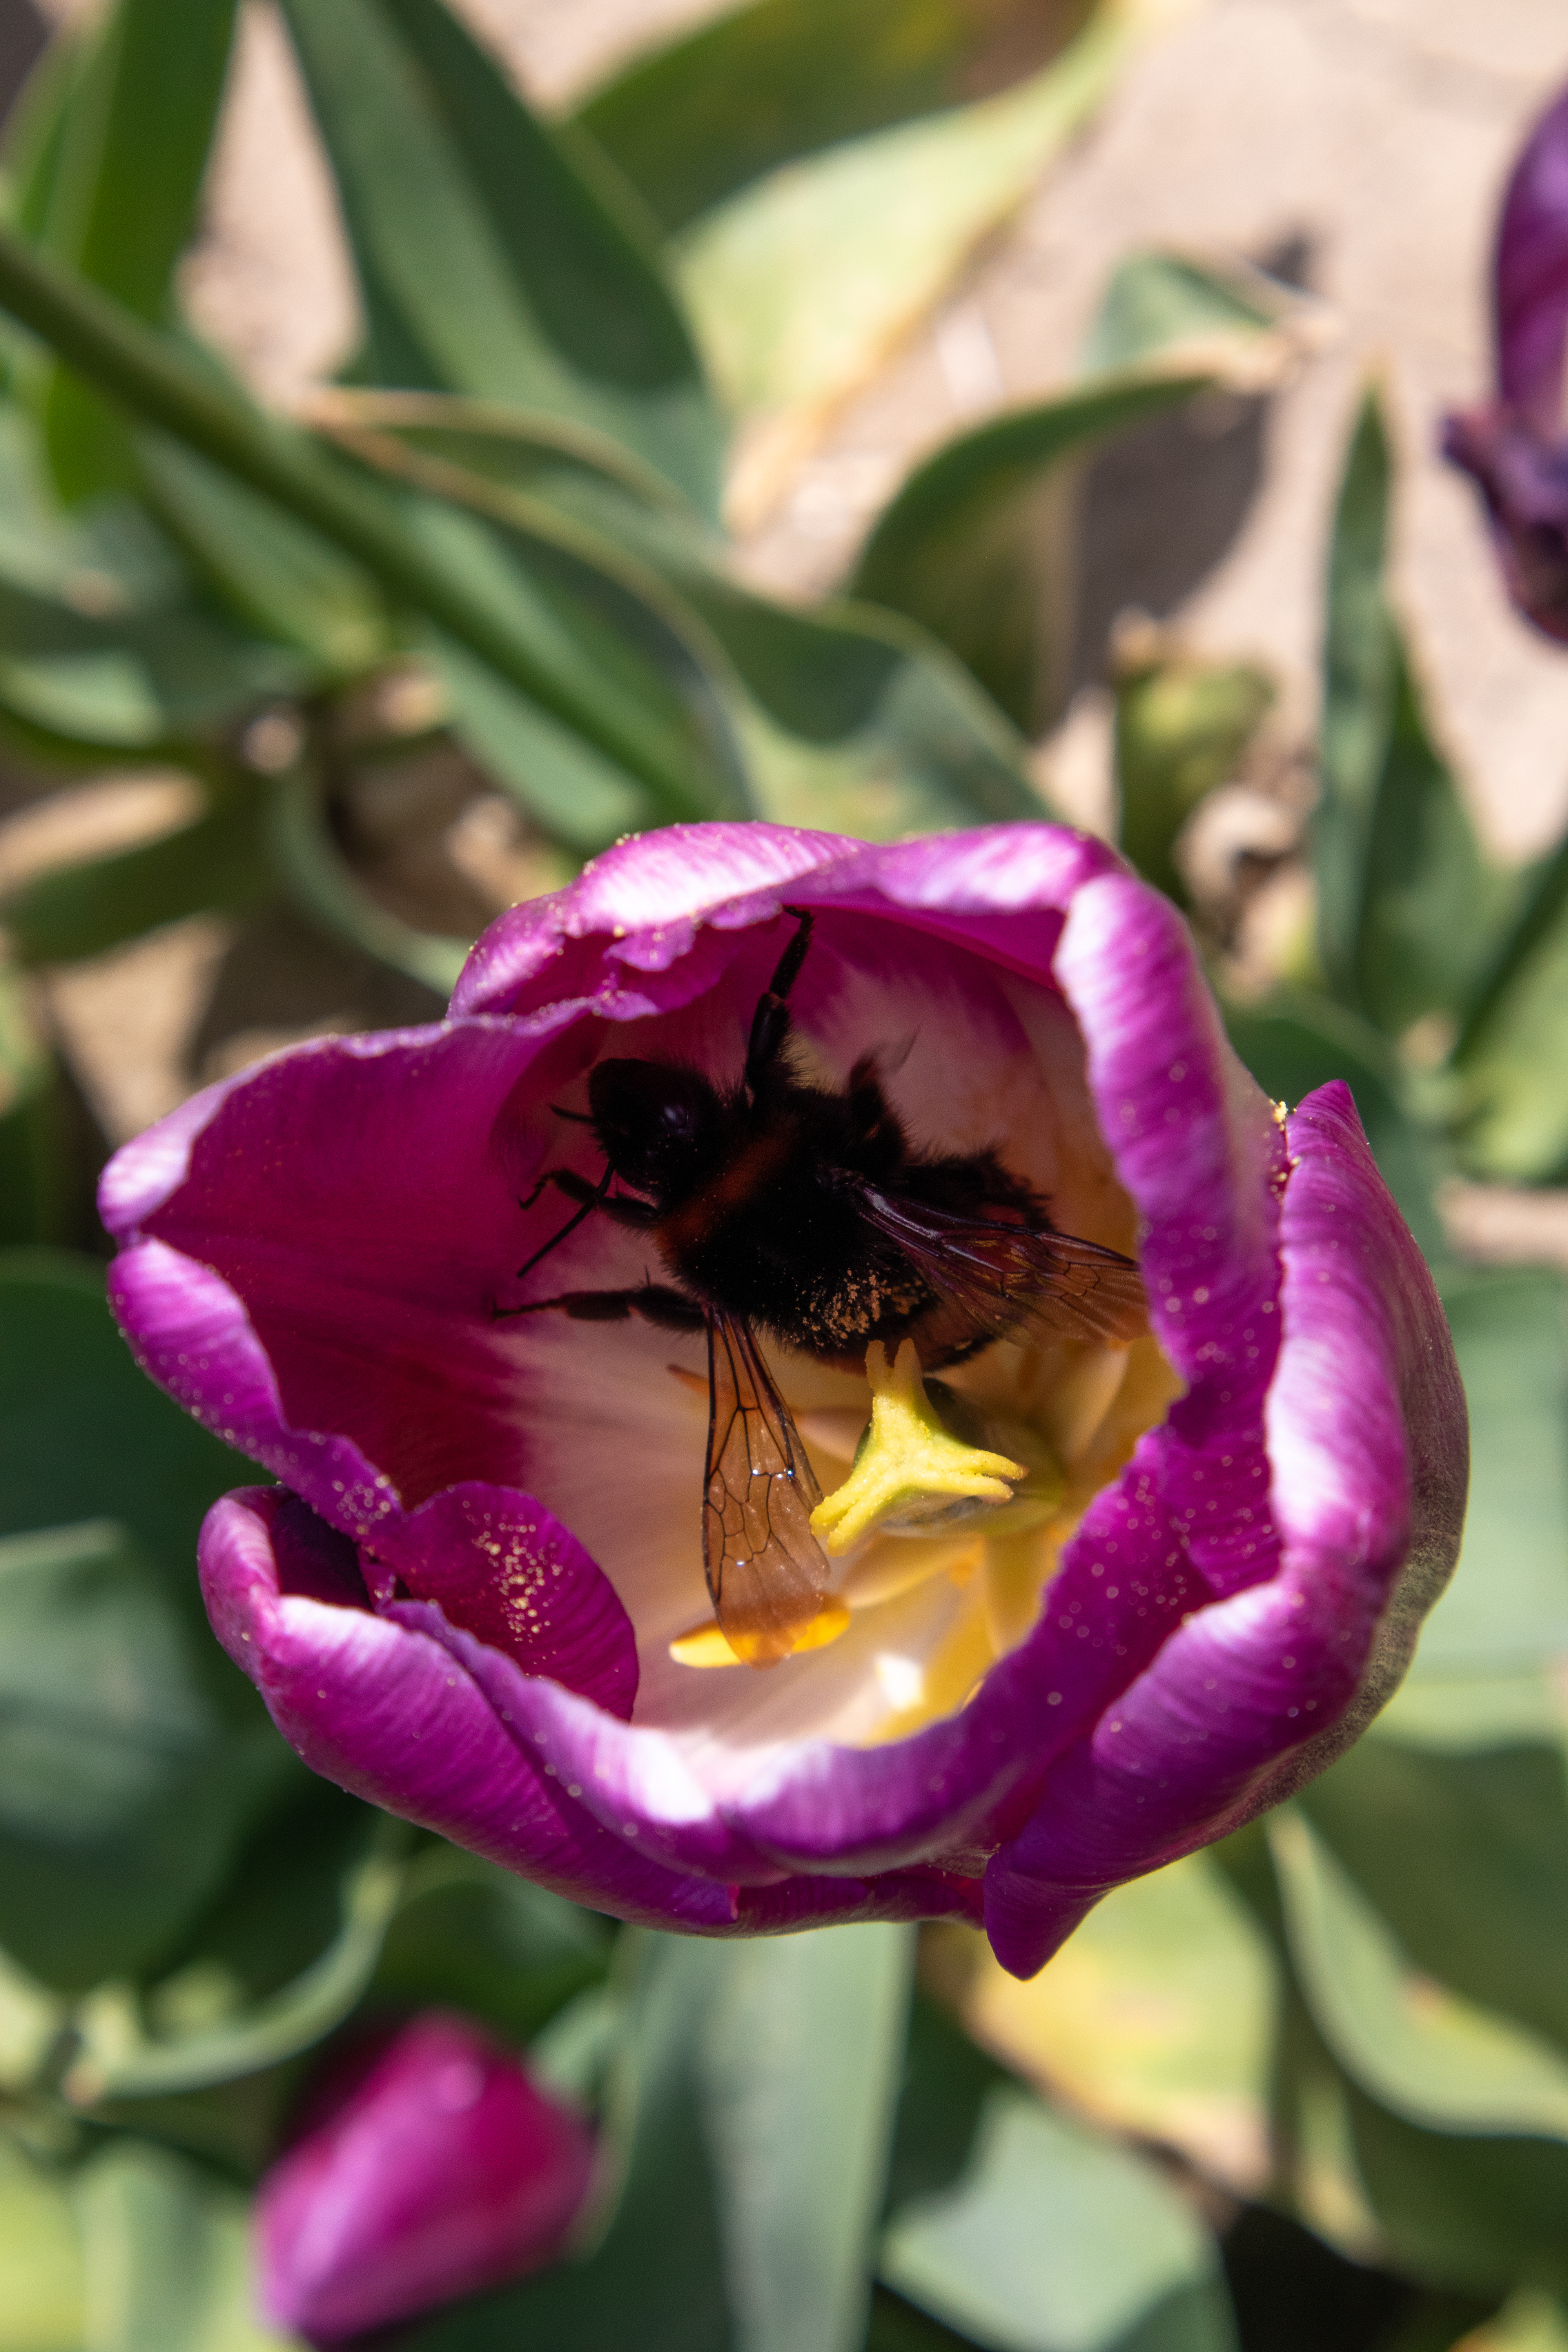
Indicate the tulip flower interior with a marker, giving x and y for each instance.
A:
(974, 1057)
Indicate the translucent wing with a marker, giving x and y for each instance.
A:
(765, 1570)
(1000, 1279)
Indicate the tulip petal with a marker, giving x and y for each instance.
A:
(1532, 274)
(1221, 1723)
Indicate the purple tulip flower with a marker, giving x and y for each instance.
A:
(476, 1595)
(427, 2165)
(1516, 446)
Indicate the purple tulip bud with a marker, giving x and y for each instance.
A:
(1108, 1586)
(428, 2165)
(1515, 447)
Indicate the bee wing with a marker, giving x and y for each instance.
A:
(1006, 1279)
(766, 1571)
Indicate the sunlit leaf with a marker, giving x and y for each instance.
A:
(1507, 1604)
(217, 863)
(781, 79)
(793, 313)
(1514, 1042)
(123, 190)
(1407, 911)
(492, 261)
(1181, 728)
(1054, 2237)
(1421, 2050)
(1157, 2018)
(166, 2256)
(849, 718)
(40, 2257)
(122, 1789)
(978, 544)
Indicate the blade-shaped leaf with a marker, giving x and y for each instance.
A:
(1464, 1854)
(849, 718)
(490, 252)
(1182, 310)
(1181, 728)
(1507, 1604)
(1054, 2236)
(1514, 1041)
(792, 313)
(166, 2256)
(781, 79)
(1407, 911)
(1299, 1041)
(121, 1790)
(800, 2063)
(132, 156)
(412, 546)
(1422, 2052)
(274, 573)
(40, 2255)
(219, 862)
(978, 546)
(318, 878)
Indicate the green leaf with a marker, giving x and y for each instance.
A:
(326, 889)
(121, 1790)
(1299, 1041)
(1464, 1855)
(132, 154)
(219, 862)
(849, 718)
(977, 545)
(1423, 2052)
(40, 2257)
(41, 1186)
(117, 2062)
(1406, 910)
(82, 1432)
(1514, 1041)
(473, 1936)
(792, 313)
(782, 78)
(493, 258)
(751, 2111)
(166, 2256)
(1057, 2239)
(274, 573)
(800, 2062)
(1507, 1604)
(410, 546)
(1163, 304)
(1181, 728)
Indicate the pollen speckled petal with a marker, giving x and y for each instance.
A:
(475, 1603)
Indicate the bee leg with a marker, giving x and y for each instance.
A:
(576, 1188)
(656, 1303)
(770, 1022)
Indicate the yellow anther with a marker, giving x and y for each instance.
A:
(910, 1468)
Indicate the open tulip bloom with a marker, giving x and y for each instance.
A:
(1517, 446)
(1088, 1596)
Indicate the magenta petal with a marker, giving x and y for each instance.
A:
(319, 1258)
(1368, 1439)
(435, 2169)
(1531, 280)
(509, 1573)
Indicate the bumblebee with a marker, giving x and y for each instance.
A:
(808, 1214)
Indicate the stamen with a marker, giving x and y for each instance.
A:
(912, 1475)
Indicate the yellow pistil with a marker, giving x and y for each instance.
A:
(909, 1469)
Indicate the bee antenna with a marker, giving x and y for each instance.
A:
(578, 1117)
(570, 1225)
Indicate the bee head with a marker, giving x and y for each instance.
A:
(657, 1126)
